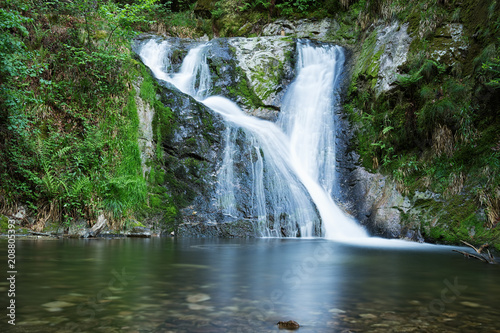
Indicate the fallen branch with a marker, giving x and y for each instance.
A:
(481, 248)
(470, 255)
(482, 257)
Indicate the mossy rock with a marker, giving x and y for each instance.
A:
(134, 223)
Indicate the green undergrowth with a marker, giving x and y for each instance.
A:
(69, 136)
(438, 128)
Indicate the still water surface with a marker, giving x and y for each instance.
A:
(200, 285)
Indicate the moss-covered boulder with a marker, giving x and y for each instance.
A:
(267, 64)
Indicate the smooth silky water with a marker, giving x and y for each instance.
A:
(201, 285)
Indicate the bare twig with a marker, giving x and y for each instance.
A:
(470, 255)
(471, 246)
(488, 259)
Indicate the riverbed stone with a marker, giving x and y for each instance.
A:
(196, 298)
(470, 304)
(197, 307)
(58, 304)
(368, 316)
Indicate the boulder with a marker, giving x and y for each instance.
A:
(141, 232)
(266, 62)
(237, 229)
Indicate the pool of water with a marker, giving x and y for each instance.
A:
(200, 285)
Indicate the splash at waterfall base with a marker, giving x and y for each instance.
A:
(240, 176)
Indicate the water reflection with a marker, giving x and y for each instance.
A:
(200, 285)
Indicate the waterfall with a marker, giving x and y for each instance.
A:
(193, 77)
(292, 162)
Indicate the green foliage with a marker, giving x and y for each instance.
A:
(285, 7)
(218, 10)
(288, 7)
(428, 71)
(11, 45)
(490, 65)
(69, 126)
(121, 19)
(4, 224)
(255, 5)
(486, 56)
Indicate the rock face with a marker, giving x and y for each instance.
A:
(192, 153)
(376, 203)
(306, 28)
(140, 232)
(237, 229)
(252, 72)
(381, 54)
(394, 42)
(379, 205)
(145, 113)
(449, 45)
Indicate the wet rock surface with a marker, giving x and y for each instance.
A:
(288, 325)
(193, 151)
(236, 229)
(141, 232)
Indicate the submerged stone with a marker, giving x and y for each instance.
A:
(196, 306)
(58, 304)
(470, 304)
(368, 316)
(196, 298)
(288, 325)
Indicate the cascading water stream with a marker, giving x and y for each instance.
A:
(193, 77)
(293, 161)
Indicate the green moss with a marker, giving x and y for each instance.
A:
(454, 220)
(4, 224)
(135, 223)
(155, 202)
(365, 60)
